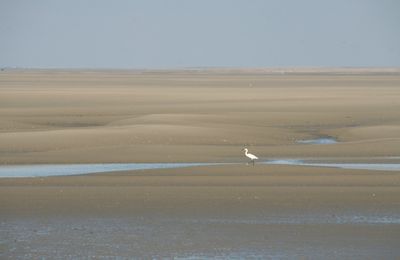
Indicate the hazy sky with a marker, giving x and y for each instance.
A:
(202, 33)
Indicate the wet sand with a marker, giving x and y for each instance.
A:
(227, 211)
(216, 211)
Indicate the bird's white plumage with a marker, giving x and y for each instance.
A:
(249, 155)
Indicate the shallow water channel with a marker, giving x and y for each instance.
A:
(43, 170)
(322, 140)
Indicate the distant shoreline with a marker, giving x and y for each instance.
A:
(223, 70)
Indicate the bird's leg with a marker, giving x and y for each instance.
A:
(253, 162)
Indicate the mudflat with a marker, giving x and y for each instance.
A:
(227, 211)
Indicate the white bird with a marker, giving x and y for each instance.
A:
(252, 157)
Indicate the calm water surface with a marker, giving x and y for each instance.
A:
(322, 140)
(43, 170)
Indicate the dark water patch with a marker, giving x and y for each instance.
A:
(311, 219)
(286, 236)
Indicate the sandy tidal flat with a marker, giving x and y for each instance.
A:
(226, 211)
(189, 116)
